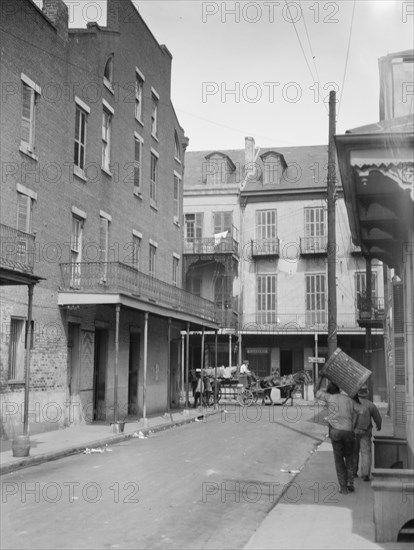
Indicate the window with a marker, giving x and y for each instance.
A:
(24, 224)
(265, 226)
(139, 94)
(154, 116)
(271, 169)
(106, 139)
(194, 226)
(80, 139)
(223, 291)
(177, 147)
(30, 95)
(138, 162)
(177, 194)
(361, 290)
(108, 73)
(16, 349)
(153, 177)
(315, 299)
(76, 250)
(266, 299)
(176, 263)
(104, 245)
(136, 251)
(315, 229)
(152, 259)
(223, 221)
(217, 169)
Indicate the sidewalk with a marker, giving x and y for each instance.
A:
(313, 515)
(56, 444)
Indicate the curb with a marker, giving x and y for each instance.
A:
(111, 439)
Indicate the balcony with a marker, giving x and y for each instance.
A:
(119, 278)
(227, 315)
(313, 245)
(17, 256)
(221, 243)
(265, 249)
(371, 315)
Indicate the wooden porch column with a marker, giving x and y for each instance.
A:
(182, 364)
(202, 367)
(117, 313)
(27, 365)
(187, 361)
(169, 366)
(144, 389)
(215, 369)
(230, 363)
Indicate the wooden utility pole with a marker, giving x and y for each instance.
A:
(332, 329)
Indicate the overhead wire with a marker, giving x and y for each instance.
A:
(346, 60)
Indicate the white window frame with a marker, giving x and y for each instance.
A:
(136, 248)
(175, 267)
(76, 249)
(154, 176)
(139, 95)
(27, 146)
(138, 163)
(316, 312)
(16, 363)
(266, 298)
(152, 258)
(81, 110)
(107, 116)
(108, 82)
(177, 148)
(154, 113)
(177, 198)
(104, 221)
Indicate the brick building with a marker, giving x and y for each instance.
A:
(92, 175)
(256, 241)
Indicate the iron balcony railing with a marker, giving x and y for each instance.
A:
(221, 243)
(17, 249)
(295, 321)
(102, 277)
(313, 245)
(265, 247)
(226, 316)
(374, 310)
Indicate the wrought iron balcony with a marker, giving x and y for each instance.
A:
(265, 248)
(313, 245)
(17, 249)
(110, 277)
(372, 313)
(222, 243)
(226, 317)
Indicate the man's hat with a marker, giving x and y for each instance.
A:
(363, 392)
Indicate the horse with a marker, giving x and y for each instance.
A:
(287, 385)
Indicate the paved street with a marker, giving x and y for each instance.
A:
(204, 485)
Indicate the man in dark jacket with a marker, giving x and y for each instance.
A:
(363, 434)
(342, 419)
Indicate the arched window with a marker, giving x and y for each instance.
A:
(217, 169)
(108, 72)
(272, 168)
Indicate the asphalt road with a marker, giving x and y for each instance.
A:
(204, 485)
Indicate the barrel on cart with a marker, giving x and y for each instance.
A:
(345, 372)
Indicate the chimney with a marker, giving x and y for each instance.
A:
(58, 13)
(249, 158)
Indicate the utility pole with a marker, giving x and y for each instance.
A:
(332, 328)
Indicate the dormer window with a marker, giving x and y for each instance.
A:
(218, 168)
(108, 73)
(273, 166)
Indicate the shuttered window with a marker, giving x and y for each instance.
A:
(266, 299)
(222, 222)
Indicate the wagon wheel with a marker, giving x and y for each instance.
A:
(247, 397)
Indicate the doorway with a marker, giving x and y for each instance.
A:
(100, 362)
(133, 372)
(73, 380)
(286, 362)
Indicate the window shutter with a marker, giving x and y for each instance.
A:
(400, 413)
(103, 240)
(23, 213)
(199, 224)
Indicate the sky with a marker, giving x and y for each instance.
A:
(265, 68)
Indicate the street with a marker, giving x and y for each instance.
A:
(204, 485)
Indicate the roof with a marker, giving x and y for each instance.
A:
(404, 124)
(306, 168)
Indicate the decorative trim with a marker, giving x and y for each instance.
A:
(154, 152)
(137, 233)
(82, 104)
(30, 83)
(154, 92)
(176, 256)
(26, 191)
(103, 214)
(107, 106)
(138, 137)
(139, 73)
(153, 243)
(78, 212)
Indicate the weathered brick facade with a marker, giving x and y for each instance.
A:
(64, 70)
